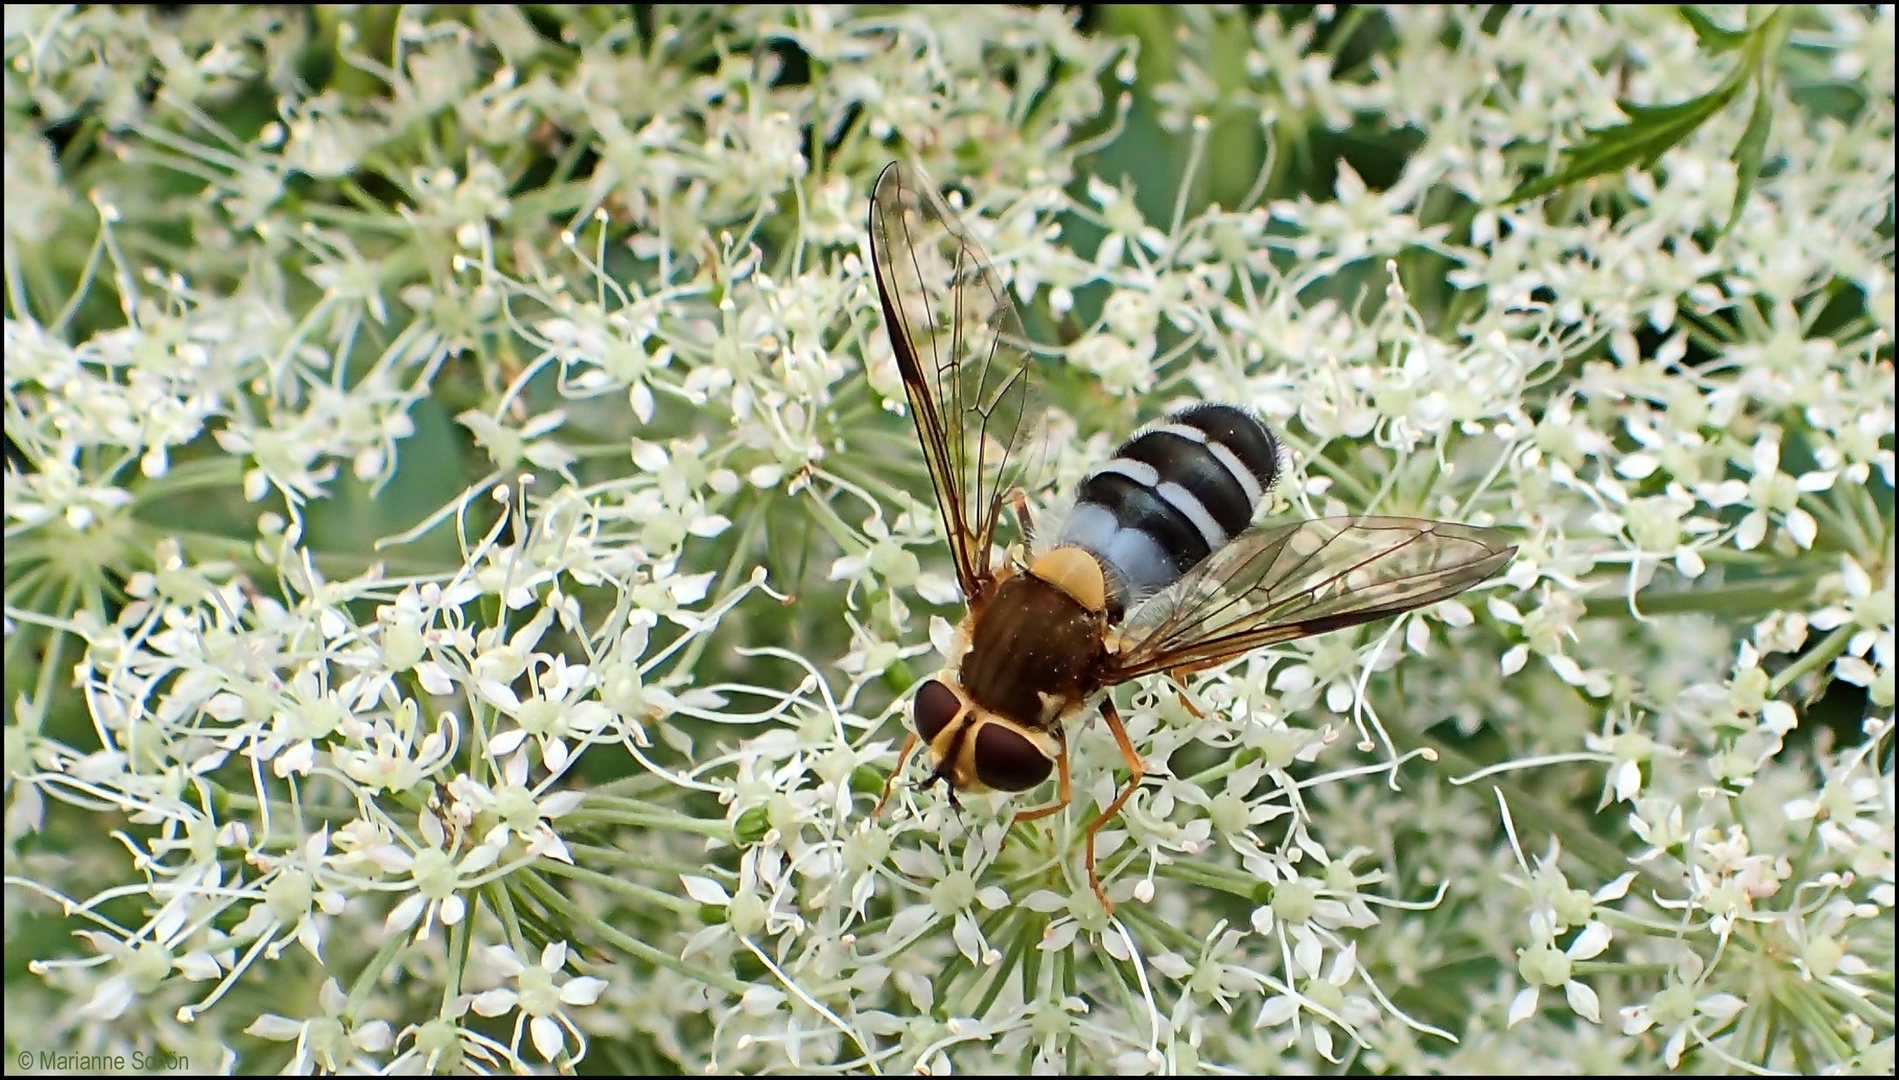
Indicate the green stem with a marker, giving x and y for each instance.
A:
(1748, 599)
(678, 905)
(1829, 648)
(623, 811)
(1805, 1008)
(640, 950)
(1236, 882)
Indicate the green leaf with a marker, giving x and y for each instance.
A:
(1668, 114)
(1714, 39)
(1651, 131)
(1749, 153)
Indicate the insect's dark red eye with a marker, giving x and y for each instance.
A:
(936, 705)
(1007, 761)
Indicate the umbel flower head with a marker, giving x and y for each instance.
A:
(468, 560)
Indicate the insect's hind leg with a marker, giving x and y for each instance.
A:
(1178, 676)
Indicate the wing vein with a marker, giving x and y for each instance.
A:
(1341, 572)
(939, 291)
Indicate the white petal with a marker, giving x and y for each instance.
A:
(1515, 658)
(493, 1002)
(403, 915)
(1059, 937)
(582, 991)
(498, 694)
(1567, 669)
(275, 1028)
(1338, 697)
(110, 1000)
(547, 1036)
(561, 803)
(1802, 527)
(1671, 1054)
(1719, 1007)
(1638, 466)
(968, 941)
(1171, 964)
(705, 890)
(1614, 890)
(1293, 679)
(1800, 809)
(434, 678)
(1322, 1041)
(1690, 562)
(1277, 1011)
(1044, 901)
(198, 966)
(1583, 1001)
(373, 1036)
(1522, 1006)
(1816, 481)
(1628, 781)
(503, 960)
(1307, 955)
(1590, 943)
(1779, 717)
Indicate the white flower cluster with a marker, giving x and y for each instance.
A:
(465, 557)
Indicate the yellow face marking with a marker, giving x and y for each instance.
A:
(963, 776)
(1075, 572)
(959, 735)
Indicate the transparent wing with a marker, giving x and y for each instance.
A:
(1293, 581)
(960, 348)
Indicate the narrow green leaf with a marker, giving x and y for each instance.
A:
(1651, 131)
(1750, 152)
(1704, 105)
(1610, 150)
(1714, 39)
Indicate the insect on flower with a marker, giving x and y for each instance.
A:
(1156, 570)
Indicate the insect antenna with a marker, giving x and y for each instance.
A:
(941, 772)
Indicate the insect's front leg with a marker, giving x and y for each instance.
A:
(1133, 759)
(903, 758)
(1064, 786)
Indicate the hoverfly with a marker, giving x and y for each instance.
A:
(1156, 569)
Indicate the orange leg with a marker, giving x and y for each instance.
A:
(1178, 676)
(1134, 762)
(1061, 762)
(903, 758)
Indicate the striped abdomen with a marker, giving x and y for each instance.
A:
(1173, 495)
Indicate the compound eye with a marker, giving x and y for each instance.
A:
(935, 706)
(1008, 761)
